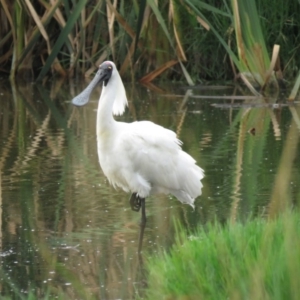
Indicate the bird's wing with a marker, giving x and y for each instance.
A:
(153, 153)
(149, 138)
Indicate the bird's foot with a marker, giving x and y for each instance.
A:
(135, 202)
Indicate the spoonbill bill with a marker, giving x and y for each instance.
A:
(140, 157)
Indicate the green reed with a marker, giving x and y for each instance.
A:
(177, 39)
(256, 260)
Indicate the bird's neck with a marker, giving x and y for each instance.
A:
(105, 120)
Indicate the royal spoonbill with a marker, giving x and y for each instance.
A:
(140, 157)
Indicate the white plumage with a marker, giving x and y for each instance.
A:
(139, 157)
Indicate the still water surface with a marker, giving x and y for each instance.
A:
(66, 233)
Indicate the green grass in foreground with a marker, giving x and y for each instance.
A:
(256, 260)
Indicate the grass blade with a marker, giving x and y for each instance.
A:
(121, 20)
(152, 75)
(62, 37)
(187, 75)
(39, 24)
(160, 20)
(173, 16)
(274, 59)
(295, 89)
(110, 22)
(139, 24)
(36, 32)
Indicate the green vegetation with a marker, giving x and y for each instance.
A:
(183, 39)
(256, 260)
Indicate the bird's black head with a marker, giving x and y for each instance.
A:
(105, 71)
(103, 75)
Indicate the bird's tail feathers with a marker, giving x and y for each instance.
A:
(184, 197)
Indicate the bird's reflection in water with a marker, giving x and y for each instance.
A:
(142, 272)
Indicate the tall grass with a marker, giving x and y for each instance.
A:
(256, 260)
(254, 60)
(182, 39)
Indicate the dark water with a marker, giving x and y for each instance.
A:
(65, 233)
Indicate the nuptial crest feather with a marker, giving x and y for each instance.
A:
(121, 99)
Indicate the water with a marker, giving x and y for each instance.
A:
(66, 233)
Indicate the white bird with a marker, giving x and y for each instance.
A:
(140, 157)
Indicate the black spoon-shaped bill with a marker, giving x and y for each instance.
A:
(84, 97)
(103, 75)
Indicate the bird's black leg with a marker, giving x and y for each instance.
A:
(135, 202)
(143, 219)
(142, 274)
(143, 224)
